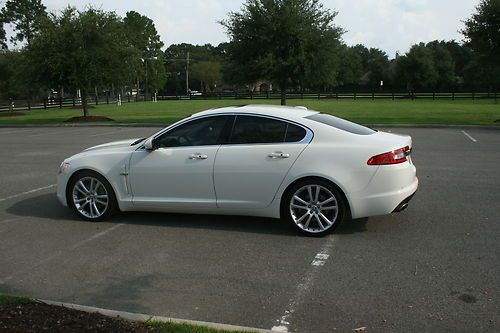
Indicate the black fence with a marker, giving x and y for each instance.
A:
(51, 103)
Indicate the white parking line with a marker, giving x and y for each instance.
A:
(304, 286)
(27, 192)
(470, 137)
(60, 252)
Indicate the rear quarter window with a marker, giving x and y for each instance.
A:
(341, 124)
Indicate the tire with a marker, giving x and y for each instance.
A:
(91, 196)
(312, 213)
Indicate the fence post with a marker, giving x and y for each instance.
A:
(128, 98)
(473, 96)
(29, 105)
(107, 98)
(74, 102)
(453, 96)
(60, 102)
(337, 95)
(267, 93)
(45, 104)
(373, 95)
(433, 95)
(319, 95)
(251, 94)
(354, 95)
(495, 96)
(393, 95)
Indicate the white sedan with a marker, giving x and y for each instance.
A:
(309, 168)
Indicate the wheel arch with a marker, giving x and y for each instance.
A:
(80, 171)
(312, 178)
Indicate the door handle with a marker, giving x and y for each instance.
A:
(198, 156)
(279, 155)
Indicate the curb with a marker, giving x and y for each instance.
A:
(144, 317)
(489, 127)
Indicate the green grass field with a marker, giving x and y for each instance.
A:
(458, 112)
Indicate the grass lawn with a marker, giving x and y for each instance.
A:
(458, 112)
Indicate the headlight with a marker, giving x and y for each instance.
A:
(64, 167)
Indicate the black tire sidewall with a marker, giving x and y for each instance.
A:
(112, 205)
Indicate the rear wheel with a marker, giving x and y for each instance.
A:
(91, 196)
(314, 207)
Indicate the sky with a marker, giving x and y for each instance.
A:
(390, 25)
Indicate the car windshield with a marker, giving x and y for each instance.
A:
(341, 124)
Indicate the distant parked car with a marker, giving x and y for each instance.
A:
(195, 93)
(308, 168)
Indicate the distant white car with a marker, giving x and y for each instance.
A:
(309, 168)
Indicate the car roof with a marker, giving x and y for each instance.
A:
(286, 112)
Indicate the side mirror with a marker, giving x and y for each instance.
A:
(149, 144)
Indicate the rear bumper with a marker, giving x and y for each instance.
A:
(390, 190)
(404, 204)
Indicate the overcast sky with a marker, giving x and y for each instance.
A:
(391, 25)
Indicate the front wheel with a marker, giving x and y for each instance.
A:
(91, 196)
(314, 207)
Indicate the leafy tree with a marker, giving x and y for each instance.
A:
(175, 63)
(3, 36)
(482, 31)
(351, 67)
(142, 34)
(375, 64)
(15, 76)
(443, 63)
(208, 72)
(289, 42)
(82, 50)
(27, 17)
(417, 68)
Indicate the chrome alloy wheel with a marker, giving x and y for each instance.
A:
(90, 197)
(314, 208)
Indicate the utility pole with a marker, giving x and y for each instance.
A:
(187, 74)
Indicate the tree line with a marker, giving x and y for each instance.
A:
(284, 45)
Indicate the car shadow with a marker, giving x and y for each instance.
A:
(46, 206)
(352, 226)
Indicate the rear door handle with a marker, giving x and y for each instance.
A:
(198, 156)
(279, 155)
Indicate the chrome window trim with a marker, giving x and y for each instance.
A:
(306, 140)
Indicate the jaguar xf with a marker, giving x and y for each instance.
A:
(311, 169)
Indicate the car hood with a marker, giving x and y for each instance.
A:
(113, 145)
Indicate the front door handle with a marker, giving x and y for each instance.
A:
(198, 156)
(279, 155)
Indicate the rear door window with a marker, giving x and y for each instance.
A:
(253, 129)
(341, 124)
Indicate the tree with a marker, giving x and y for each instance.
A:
(27, 17)
(417, 68)
(82, 50)
(208, 72)
(351, 67)
(141, 33)
(289, 42)
(443, 63)
(482, 31)
(3, 36)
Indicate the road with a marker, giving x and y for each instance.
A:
(432, 268)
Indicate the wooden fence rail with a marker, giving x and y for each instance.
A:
(51, 103)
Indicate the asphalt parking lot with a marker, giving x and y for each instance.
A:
(432, 268)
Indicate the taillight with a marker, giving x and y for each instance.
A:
(392, 157)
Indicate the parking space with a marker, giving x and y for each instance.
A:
(433, 267)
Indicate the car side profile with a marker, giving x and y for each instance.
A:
(311, 169)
